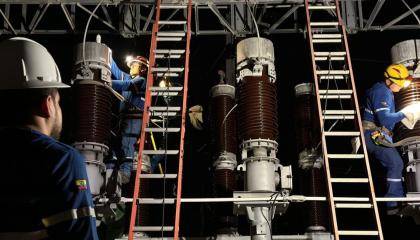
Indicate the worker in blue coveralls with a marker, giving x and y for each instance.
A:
(379, 119)
(45, 190)
(132, 86)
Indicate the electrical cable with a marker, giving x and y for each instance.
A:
(86, 29)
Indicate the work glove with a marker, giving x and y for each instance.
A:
(410, 120)
(196, 116)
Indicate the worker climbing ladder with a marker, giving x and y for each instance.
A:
(169, 61)
(351, 195)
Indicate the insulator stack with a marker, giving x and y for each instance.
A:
(223, 102)
(307, 135)
(258, 127)
(311, 169)
(408, 54)
(92, 78)
(224, 114)
(317, 210)
(94, 118)
(224, 180)
(258, 108)
(405, 98)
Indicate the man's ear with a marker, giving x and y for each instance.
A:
(47, 107)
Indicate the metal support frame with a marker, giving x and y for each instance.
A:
(132, 18)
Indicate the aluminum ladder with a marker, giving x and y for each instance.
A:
(168, 58)
(351, 195)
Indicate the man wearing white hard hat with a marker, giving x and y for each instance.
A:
(45, 190)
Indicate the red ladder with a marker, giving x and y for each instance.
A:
(168, 33)
(351, 195)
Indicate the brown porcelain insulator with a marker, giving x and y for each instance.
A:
(257, 113)
(405, 97)
(225, 131)
(307, 135)
(94, 113)
(317, 209)
(224, 180)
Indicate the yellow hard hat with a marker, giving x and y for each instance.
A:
(398, 74)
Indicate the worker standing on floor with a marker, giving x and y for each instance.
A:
(379, 119)
(45, 190)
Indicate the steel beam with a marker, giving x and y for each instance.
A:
(283, 18)
(8, 22)
(402, 16)
(374, 13)
(68, 17)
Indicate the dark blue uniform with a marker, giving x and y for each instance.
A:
(380, 109)
(130, 125)
(44, 188)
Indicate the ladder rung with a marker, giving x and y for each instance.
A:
(170, 51)
(332, 77)
(153, 229)
(166, 69)
(160, 152)
(173, 6)
(320, 7)
(162, 129)
(351, 199)
(338, 117)
(326, 40)
(163, 22)
(164, 109)
(163, 114)
(345, 156)
(169, 39)
(329, 58)
(168, 74)
(335, 96)
(173, 56)
(335, 91)
(353, 205)
(326, 54)
(349, 180)
(317, 35)
(166, 89)
(333, 112)
(156, 201)
(171, 34)
(344, 134)
(357, 233)
(158, 176)
(324, 24)
(332, 72)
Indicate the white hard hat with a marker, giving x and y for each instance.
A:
(26, 64)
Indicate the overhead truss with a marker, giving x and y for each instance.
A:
(131, 18)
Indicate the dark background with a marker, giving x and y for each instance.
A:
(370, 53)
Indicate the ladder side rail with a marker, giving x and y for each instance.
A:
(359, 121)
(146, 117)
(324, 146)
(183, 116)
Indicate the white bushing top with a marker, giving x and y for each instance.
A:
(304, 88)
(223, 89)
(405, 52)
(254, 48)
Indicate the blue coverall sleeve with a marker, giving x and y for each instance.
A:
(120, 86)
(70, 178)
(118, 73)
(382, 103)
